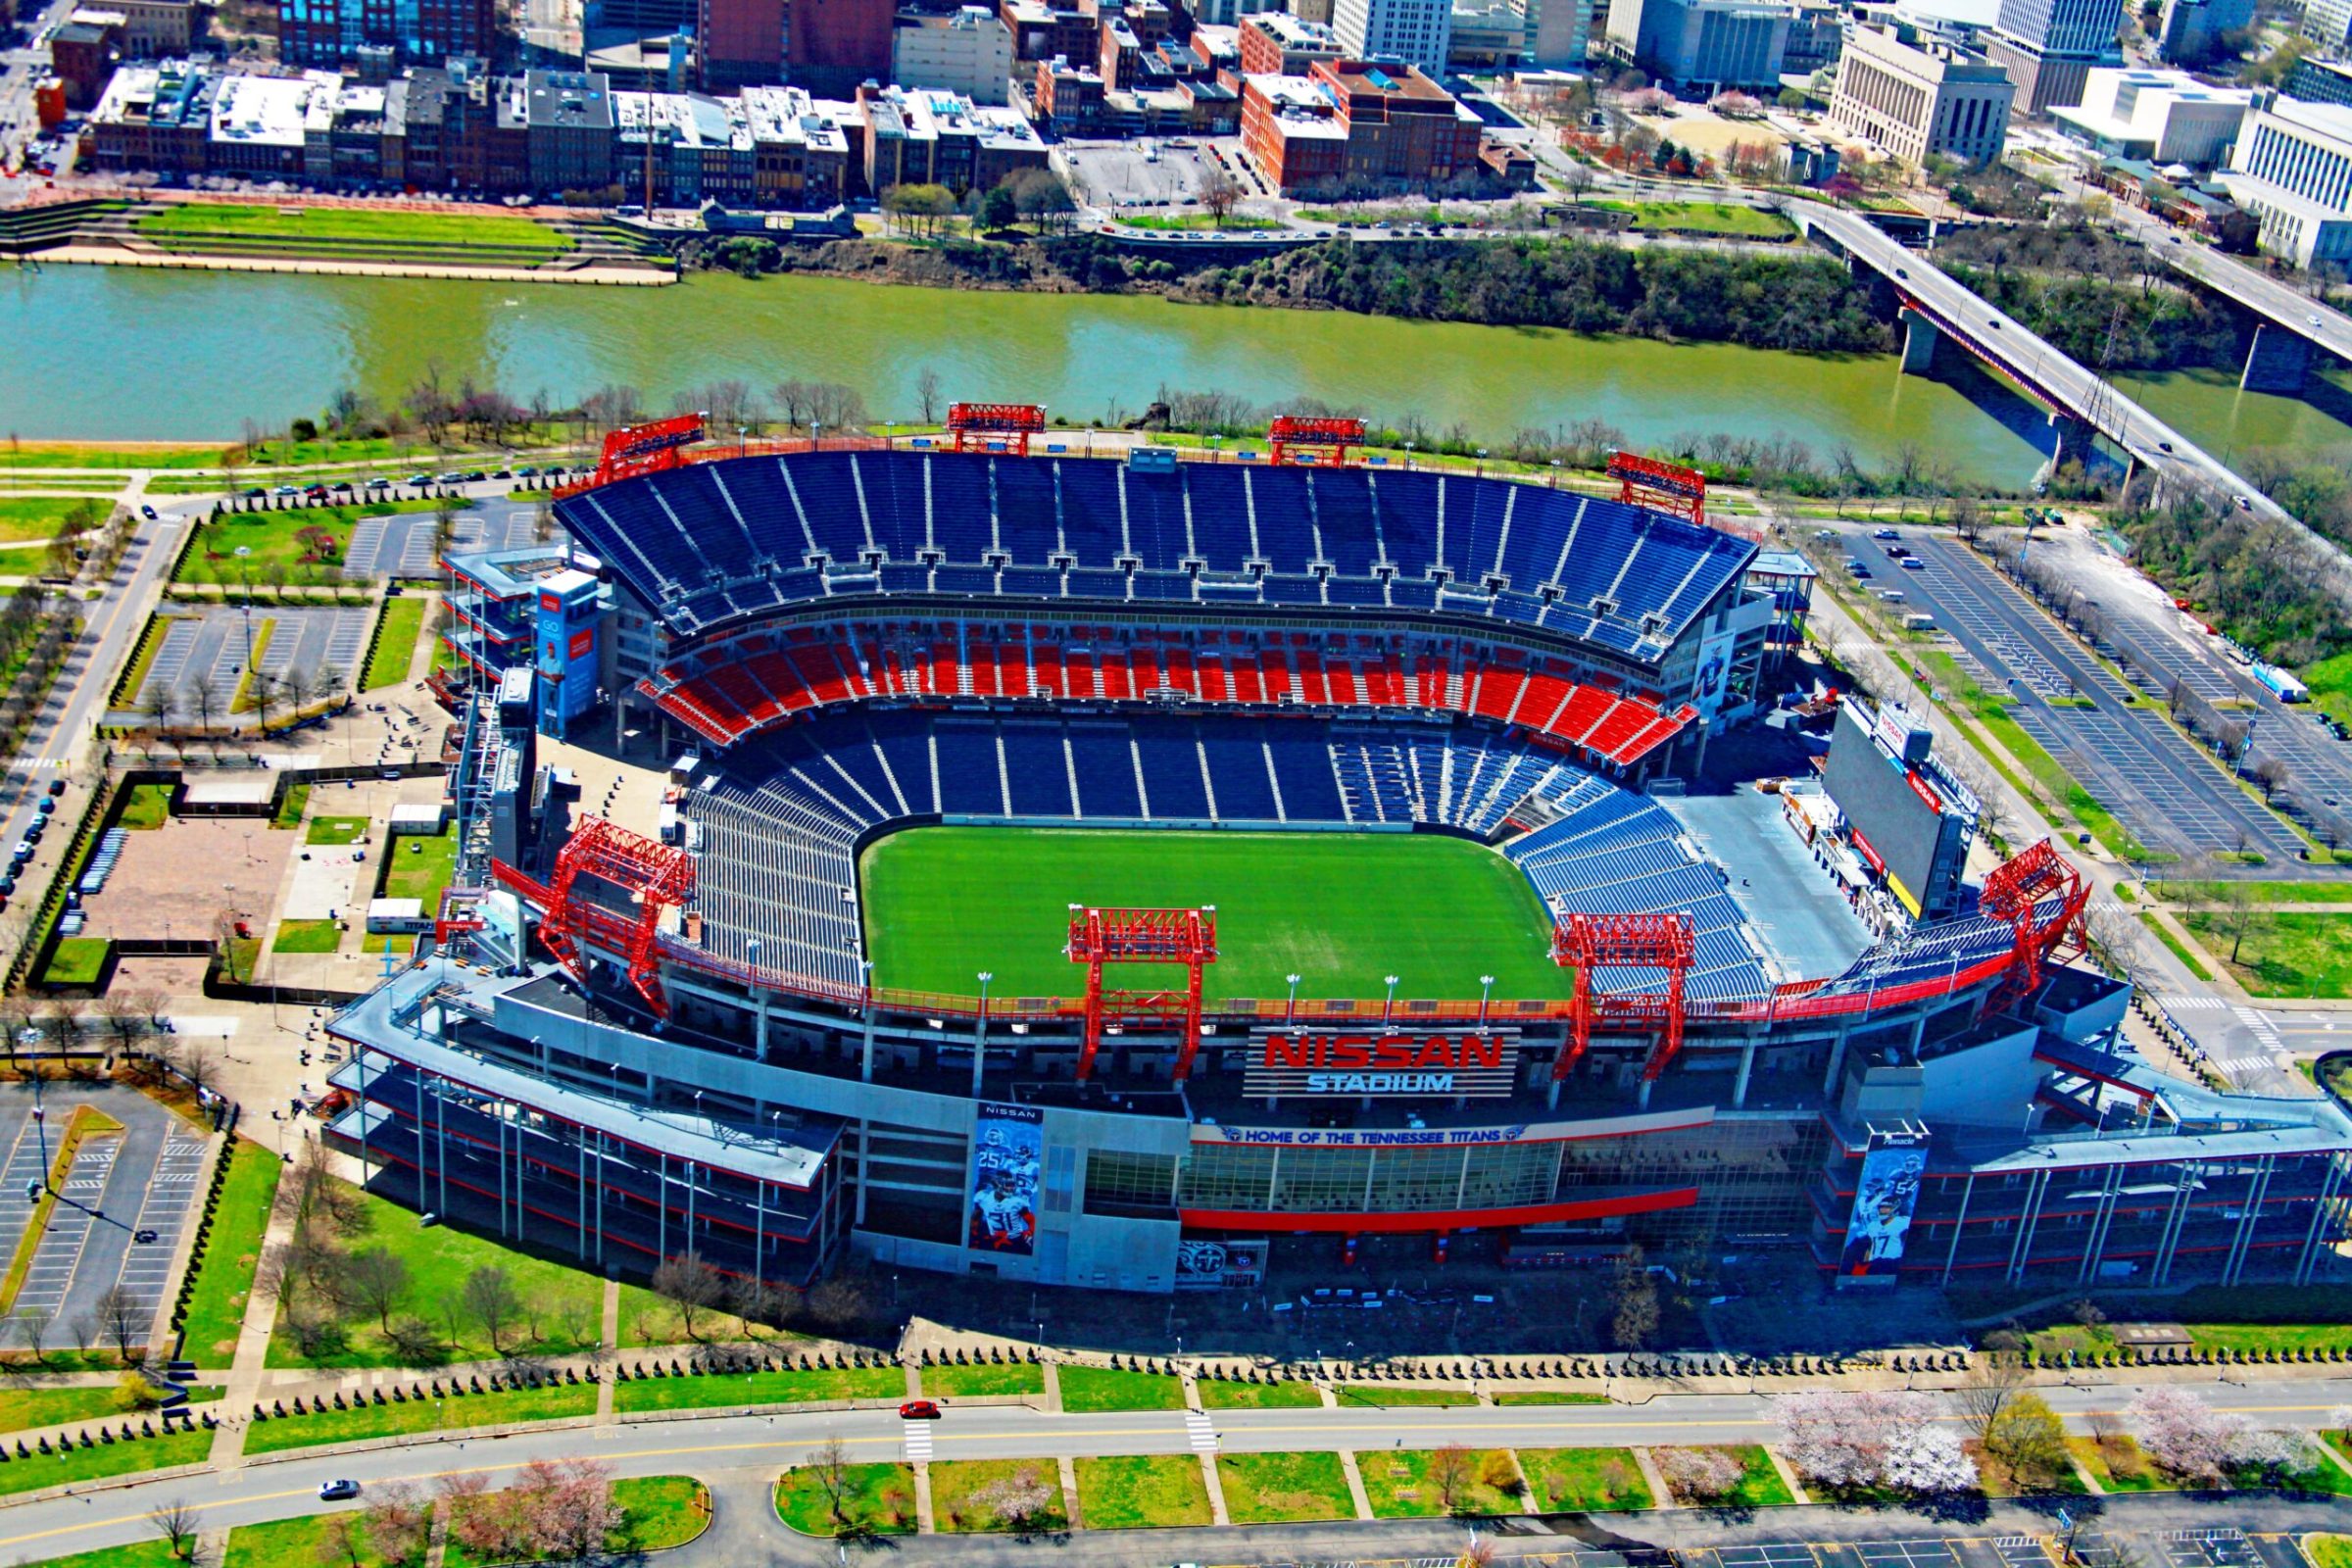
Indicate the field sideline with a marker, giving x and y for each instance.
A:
(1341, 909)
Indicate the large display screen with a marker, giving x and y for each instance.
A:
(1895, 825)
(1007, 1153)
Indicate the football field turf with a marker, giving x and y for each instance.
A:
(1339, 910)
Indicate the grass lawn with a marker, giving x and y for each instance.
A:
(957, 1485)
(2331, 683)
(395, 642)
(2324, 1478)
(1196, 220)
(95, 1464)
(1401, 1485)
(1549, 1396)
(972, 1382)
(561, 1308)
(1097, 1387)
(82, 454)
(1268, 1488)
(23, 1409)
(2117, 1465)
(1585, 1480)
(812, 1386)
(2187, 891)
(2180, 949)
(421, 1415)
(336, 830)
(420, 865)
(25, 517)
(76, 961)
(1995, 1479)
(2285, 953)
(2328, 1552)
(878, 1499)
(1219, 1395)
(156, 1553)
(233, 1250)
(212, 221)
(1705, 217)
(278, 539)
(1760, 1484)
(294, 1543)
(1341, 909)
(306, 936)
(646, 1321)
(146, 807)
(1137, 1492)
(1382, 1395)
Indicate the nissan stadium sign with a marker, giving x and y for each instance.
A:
(1474, 1066)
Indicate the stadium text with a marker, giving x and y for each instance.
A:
(1348, 1138)
(1467, 1064)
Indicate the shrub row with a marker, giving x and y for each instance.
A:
(417, 1394)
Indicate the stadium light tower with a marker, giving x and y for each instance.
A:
(980, 1033)
(1290, 1013)
(1388, 1007)
(1486, 989)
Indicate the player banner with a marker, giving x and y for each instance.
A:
(1884, 1198)
(1007, 1153)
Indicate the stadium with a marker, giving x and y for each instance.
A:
(1150, 875)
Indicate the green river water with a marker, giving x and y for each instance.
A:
(130, 354)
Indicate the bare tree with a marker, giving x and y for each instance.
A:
(490, 1298)
(341, 1540)
(204, 696)
(926, 394)
(377, 1279)
(396, 1517)
(690, 1285)
(124, 1319)
(1021, 1499)
(1634, 1297)
(1449, 1471)
(34, 1323)
(178, 1522)
(1219, 192)
(1993, 1380)
(829, 1465)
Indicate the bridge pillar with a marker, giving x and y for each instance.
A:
(2276, 360)
(1919, 336)
(2074, 440)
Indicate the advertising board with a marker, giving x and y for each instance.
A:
(1886, 1195)
(1008, 1156)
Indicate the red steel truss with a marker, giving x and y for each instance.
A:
(1660, 486)
(2014, 892)
(654, 877)
(1650, 941)
(1097, 937)
(1321, 443)
(636, 449)
(973, 423)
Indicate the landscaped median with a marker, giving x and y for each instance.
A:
(828, 1497)
(416, 1415)
(792, 1386)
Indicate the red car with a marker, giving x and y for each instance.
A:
(920, 1410)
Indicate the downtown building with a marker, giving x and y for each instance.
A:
(1703, 46)
(1920, 100)
(2049, 47)
(2292, 171)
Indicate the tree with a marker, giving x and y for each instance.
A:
(1219, 192)
(397, 1516)
(204, 695)
(1449, 1471)
(1020, 1499)
(2183, 1434)
(1928, 1460)
(829, 1465)
(838, 1304)
(2273, 773)
(999, 209)
(1993, 1380)
(1041, 197)
(690, 1285)
(180, 1522)
(158, 705)
(1576, 179)
(1841, 1438)
(927, 382)
(33, 1323)
(2241, 914)
(377, 1279)
(490, 1296)
(1698, 1475)
(342, 1540)
(1634, 1301)
(566, 1507)
(2028, 1439)
(124, 1318)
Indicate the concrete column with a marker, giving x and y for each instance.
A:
(2276, 360)
(2073, 443)
(1747, 1065)
(1919, 336)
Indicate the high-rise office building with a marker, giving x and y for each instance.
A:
(1418, 32)
(2049, 46)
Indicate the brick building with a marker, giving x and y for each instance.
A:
(1356, 124)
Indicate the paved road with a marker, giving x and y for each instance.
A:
(738, 1455)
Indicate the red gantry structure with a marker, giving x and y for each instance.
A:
(1649, 941)
(636, 449)
(2014, 892)
(981, 427)
(1300, 441)
(1187, 937)
(1666, 487)
(652, 876)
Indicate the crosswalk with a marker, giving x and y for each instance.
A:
(1202, 1432)
(2260, 1027)
(918, 1442)
(2198, 1004)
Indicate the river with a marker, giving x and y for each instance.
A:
(135, 354)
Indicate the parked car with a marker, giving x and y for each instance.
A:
(1886, 533)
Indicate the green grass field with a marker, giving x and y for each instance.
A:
(799, 1386)
(96, 1464)
(1266, 1489)
(877, 1500)
(146, 808)
(76, 961)
(1585, 1480)
(1102, 1387)
(1705, 217)
(982, 1380)
(2288, 953)
(212, 221)
(1341, 909)
(23, 518)
(1409, 1483)
(362, 1422)
(1139, 1492)
(306, 936)
(963, 1503)
(395, 642)
(1221, 1395)
(232, 1251)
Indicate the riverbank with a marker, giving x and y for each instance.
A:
(101, 254)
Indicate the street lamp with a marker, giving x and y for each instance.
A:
(980, 1033)
(1485, 987)
(1387, 1008)
(1290, 1013)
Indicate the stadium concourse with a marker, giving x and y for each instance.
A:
(633, 1039)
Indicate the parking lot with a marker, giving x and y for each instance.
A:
(139, 1181)
(206, 646)
(1152, 172)
(2168, 794)
(400, 544)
